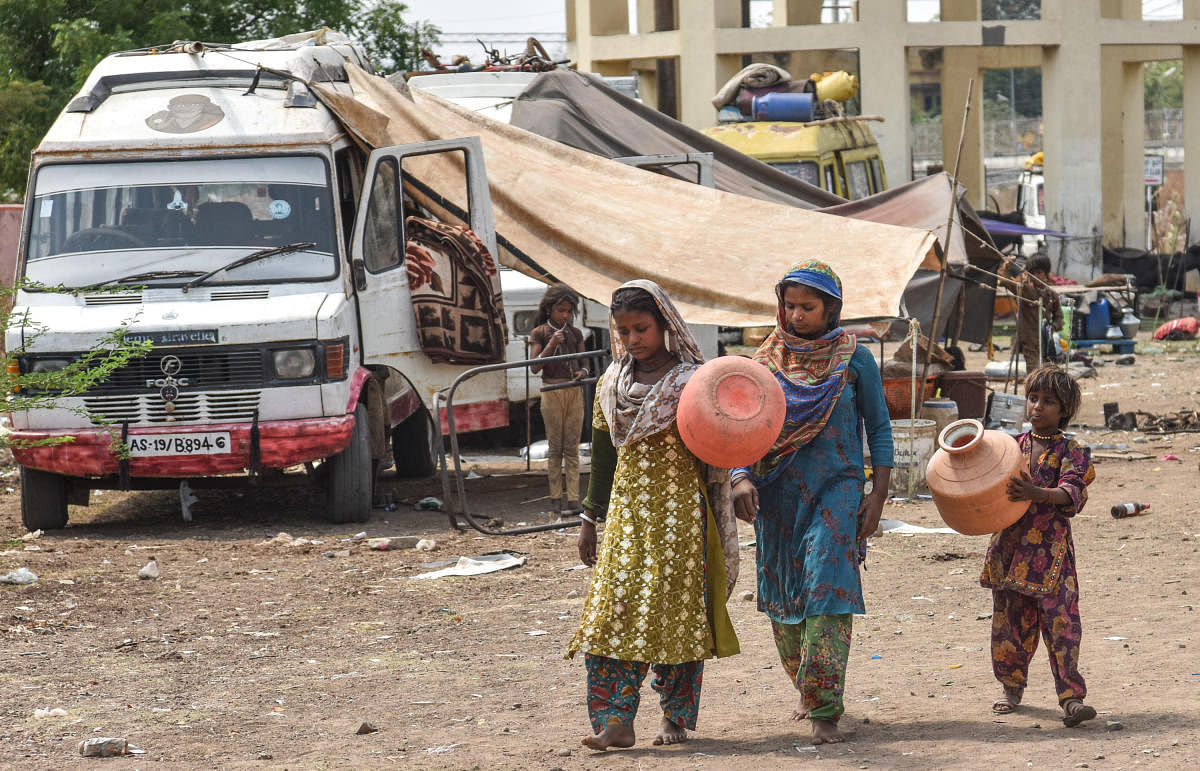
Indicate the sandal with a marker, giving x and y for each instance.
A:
(1077, 712)
(1006, 704)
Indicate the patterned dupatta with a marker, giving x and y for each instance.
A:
(813, 375)
(634, 411)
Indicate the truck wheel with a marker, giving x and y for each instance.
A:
(43, 500)
(416, 446)
(351, 474)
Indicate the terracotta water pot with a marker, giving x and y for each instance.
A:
(968, 476)
(730, 412)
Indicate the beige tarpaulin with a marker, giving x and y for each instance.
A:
(595, 223)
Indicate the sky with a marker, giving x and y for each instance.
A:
(525, 17)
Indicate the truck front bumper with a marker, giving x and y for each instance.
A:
(93, 452)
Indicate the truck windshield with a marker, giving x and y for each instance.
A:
(94, 223)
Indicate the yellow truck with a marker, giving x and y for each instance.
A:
(832, 151)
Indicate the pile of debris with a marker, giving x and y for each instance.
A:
(1183, 421)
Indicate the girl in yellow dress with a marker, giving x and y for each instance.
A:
(669, 559)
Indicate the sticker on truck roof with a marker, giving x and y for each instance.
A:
(185, 114)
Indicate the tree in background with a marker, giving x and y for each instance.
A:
(1164, 85)
(48, 47)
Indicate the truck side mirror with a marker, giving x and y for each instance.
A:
(360, 274)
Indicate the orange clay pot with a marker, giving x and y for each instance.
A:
(968, 476)
(730, 412)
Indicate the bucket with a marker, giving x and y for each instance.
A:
(943, 412)
(782, 106)
(913, 443)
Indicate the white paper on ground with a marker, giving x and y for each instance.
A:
(903, 528)
(476, 566)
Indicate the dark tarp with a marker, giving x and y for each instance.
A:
(581, 111)
(1002, 228)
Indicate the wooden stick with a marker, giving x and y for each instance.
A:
(942, 258)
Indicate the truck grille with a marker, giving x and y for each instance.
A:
(221, 407)
(205, 369)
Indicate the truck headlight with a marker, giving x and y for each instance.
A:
(295, 363)
(48, 365)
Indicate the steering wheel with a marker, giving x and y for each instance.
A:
(100, 239)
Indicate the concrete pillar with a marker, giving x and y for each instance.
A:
(645, 16)
(700, 72)
(1133, 130)
(883, 83)
(960, 65)
(1191, 136)
(1071, 109)
(609, 17)
(1191, 9)
(960, 10)
(1121, 9)
(790, 13)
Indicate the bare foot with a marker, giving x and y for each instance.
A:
(826, 732)
(670, 733)
(615, 735)
(1007, 703)
(800, 712)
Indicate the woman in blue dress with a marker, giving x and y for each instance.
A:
(811, 518)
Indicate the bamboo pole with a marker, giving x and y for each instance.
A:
(942, 259)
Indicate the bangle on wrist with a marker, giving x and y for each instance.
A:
(584, 516)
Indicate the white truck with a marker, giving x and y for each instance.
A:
(206, 197)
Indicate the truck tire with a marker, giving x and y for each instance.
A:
(351, 475)
(43, 500)
(416, 446)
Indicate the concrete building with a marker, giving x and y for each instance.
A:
(1091, 53)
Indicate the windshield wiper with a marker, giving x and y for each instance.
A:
(148, 275)
(249, 258)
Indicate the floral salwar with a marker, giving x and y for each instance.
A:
(615, 686)
(1016, 621)
(814, 654)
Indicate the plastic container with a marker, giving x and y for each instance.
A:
(912, 445)
(897, 393)
(1006, 413)
(730, 412)
(1097, 320)
(968, 477)
(943, 412)
(969, 390)
(782, 106)
(839, 86)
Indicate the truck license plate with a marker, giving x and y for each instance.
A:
(199, 443)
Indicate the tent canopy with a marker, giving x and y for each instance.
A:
(594, 223)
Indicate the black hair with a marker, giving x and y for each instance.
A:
(1038, 262)
(833, 306)
(555, 294)
(632, 299)
(1052, 379)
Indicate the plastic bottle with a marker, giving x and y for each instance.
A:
(1123, 510)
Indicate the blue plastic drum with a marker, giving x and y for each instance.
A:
(783, 106)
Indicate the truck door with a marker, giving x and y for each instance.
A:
(400, 184)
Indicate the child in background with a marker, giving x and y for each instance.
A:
(1030, 565)
(1036, 338)
(562, 408)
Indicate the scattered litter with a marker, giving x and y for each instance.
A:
(425, 544)
(876, 657)
(475, 566)
(472, 474)
(442, 749)
(1170, 457)
(1113, 725)
(809, 748)
(107, 747)
(53, 712)
(748, 544)
(903, 528)
(150, 570)
(580, 566)
(283, 539)
(359, 536)
(1116, 639)
(536, 632)
(428, 504)
(32, 536)
(746, 596)
(366, 727)
(20, 576)
(393, 543)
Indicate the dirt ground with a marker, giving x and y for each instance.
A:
(270, 656)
